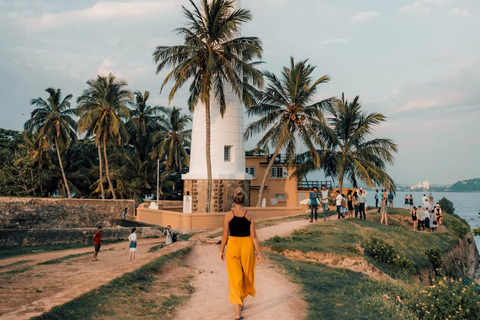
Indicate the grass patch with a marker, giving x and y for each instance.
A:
(343, 294)
(129, 291)
(184, 236)
(157, 247)
(345, 236)
(15, 264)
(8, 252)
(16, 271)
(60, 260)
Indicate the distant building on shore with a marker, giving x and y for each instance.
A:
(425, 185)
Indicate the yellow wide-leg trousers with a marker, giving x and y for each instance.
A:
(240, 268)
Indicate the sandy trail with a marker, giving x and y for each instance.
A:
(40, 287)
(277, 298)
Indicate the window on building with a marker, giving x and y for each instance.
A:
(250, 171)
(227, 153)
(280, 196)
(279, 172)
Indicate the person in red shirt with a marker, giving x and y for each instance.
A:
(97, 241)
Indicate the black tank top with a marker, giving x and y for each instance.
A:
(239, 226)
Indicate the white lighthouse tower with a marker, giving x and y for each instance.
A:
(227, 155)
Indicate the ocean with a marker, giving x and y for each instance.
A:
(467, 204)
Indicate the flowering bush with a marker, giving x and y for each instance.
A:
(384, 252)
(449, 299)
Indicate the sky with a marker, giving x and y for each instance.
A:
(417, 62)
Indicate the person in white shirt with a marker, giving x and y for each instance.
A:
(338, 201)
(324, 196)
(168, 235)
(427, 219)
(133, 243)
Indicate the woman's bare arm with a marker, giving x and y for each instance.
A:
(253, 236)
(228, 217)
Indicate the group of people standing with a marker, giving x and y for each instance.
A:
(426, 216)
(355, 202)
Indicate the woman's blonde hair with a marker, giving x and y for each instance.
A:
(239, 196)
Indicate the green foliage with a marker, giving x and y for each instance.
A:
(447, 205)
(384, 252)
(471, 185)
(449, 299)
(435, 257)
(476, 231)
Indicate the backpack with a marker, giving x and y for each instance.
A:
(174, 237)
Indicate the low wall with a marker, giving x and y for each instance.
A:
(188, 222)
(48, 213)
(73, 235)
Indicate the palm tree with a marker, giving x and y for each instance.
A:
(171, 142)
(144, 122)
(288, 114)
(350, 154)
(102, 110)
(214, 58)
(53, 122)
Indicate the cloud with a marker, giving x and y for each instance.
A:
(364, 16)
(422, 6)
(445, 54)
(100, 11)
(334, 41)
(459, 13)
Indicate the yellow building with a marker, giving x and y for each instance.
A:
(281, 189)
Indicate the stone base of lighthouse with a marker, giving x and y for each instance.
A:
(222, 193)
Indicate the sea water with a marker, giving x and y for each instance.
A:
(467, 204)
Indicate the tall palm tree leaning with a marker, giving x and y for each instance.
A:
(289, 115)
(350, 154)
(171, 140)
(54, 124)
(214, 58)
(102, 109)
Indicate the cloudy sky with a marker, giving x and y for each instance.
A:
(415, 61)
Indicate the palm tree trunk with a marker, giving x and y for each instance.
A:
(61, 168)
(267, 172)
(100, 164)
(209, 160)
(340, 180)
(107, 171)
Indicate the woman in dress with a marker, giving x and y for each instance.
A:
(414, 218)
(239, 232)
(133, 243)
(383, 210)
(356, 204)
(350, 204)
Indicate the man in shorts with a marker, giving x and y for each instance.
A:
(97, 242)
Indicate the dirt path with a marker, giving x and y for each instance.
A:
(277, 297)
(29, 289)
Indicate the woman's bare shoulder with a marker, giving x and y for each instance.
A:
(249, 215)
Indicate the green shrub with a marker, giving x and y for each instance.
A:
(435, 257)
(476, 231)
(449, 299)
(384, 252)
(447, 205)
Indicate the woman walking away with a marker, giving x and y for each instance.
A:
(383, 209)
(133, 243)
(240, 224)
(433, 220)
(411, 201)
(350, 204)
(313, 203)
(405, 206)
(414, 218)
